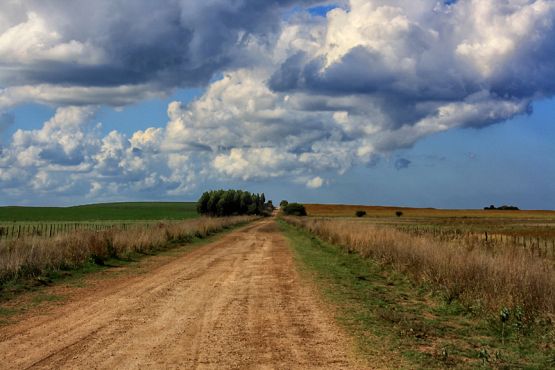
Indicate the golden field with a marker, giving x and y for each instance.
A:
(518, 227)
(489, 274)
(341, 210)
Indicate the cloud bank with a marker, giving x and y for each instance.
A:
(116, 52)
(299, 95)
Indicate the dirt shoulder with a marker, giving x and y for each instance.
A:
(234, 303)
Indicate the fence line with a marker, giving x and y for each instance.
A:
(20, 230)
(534, 244)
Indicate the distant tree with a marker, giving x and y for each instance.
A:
(220, 206)
(256, 205)
(244, 202)
(398, 213)
(502, 208)
(228, 208)
(218, 203)
(212, 203)
(360, 213)
(253, 209)
(237, 201)
(508, 208)
(202, 204)
(283, 203)
(294, 209)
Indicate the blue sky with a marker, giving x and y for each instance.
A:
(368, 102)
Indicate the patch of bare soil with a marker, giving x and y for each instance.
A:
(235, 303)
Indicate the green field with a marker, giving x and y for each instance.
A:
(135, 211)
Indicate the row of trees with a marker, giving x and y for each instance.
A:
(219, 203)
(502, 208)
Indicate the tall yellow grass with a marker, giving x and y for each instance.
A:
(493, 278)
(35, 255)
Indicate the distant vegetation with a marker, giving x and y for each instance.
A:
(219, 203)
(102, 212)
(294, 209)
(462, 269)
(360, 213)
(348, 210)
(502, 208)
(34, 256)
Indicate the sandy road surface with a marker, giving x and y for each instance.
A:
(234, 303)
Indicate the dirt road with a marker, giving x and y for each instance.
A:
(234, 303)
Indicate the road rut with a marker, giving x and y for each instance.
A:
(235, 303)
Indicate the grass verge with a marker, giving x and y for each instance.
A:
(38, 290)
(35, 256)
(403, 325)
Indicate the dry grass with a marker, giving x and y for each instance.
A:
(530, 230)
(342, 210)
(33, 256)
(491, 278)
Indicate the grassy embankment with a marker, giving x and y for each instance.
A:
(37, 259)
(389, 309)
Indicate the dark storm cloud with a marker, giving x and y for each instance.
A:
(423, 61)
(107, 43)
(365, 72)
(360, 72)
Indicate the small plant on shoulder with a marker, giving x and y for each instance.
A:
(519, 319)
(484, 356)
(444, 355)
(398, 213)
(504, 316)
(360, 213)
(494, 360)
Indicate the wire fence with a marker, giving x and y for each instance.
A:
(22, 230)
(536, 245)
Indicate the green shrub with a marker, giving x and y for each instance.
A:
(294, 209)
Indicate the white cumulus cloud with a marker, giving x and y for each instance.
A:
(315, 183)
